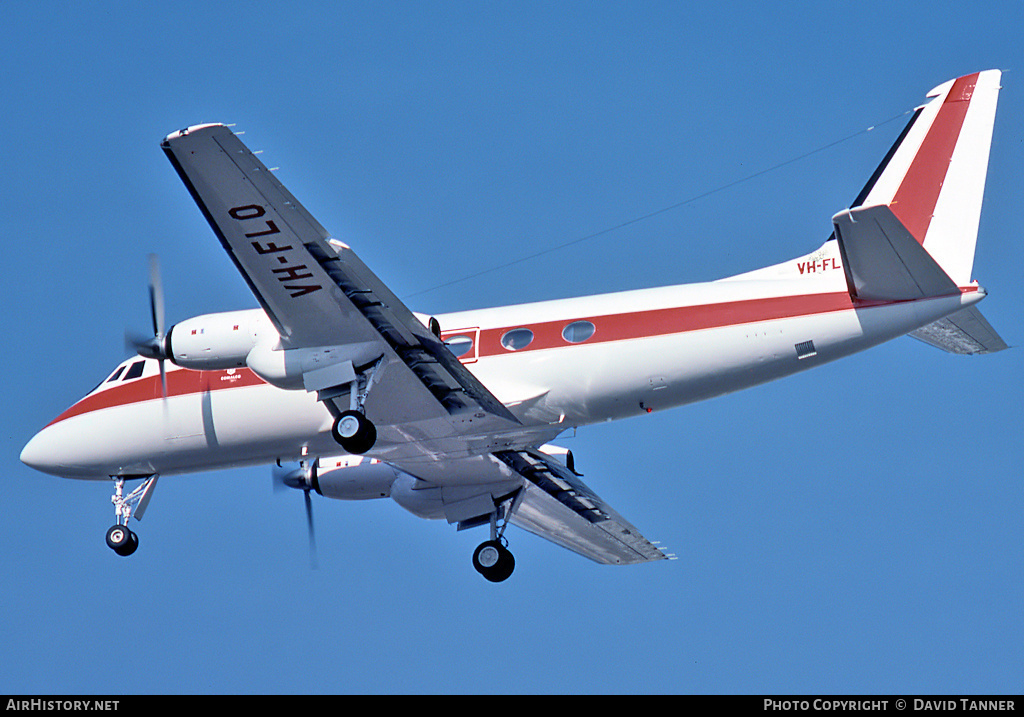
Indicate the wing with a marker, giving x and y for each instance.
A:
(444, 426)
(318, 293)
(558, 506)
(536, 492)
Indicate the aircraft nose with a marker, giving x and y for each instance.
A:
(39, 454)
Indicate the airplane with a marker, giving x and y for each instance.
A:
(348, 393)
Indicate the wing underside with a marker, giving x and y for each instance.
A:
(558, 506)
(318, 293)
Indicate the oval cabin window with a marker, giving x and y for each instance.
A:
(517, 339)
(459, 345)
(578, 331)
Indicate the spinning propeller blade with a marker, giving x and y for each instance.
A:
(154, 346)
(302, 477)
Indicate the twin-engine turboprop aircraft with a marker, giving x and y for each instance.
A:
(354, 396)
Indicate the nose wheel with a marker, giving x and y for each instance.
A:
(122, 540)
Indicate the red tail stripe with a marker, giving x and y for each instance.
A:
(914, 202)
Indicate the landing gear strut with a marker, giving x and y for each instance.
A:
(352, 429)
(120, 538)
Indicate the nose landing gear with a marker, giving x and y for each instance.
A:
(120, 538)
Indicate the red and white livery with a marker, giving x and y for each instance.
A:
(354, 396)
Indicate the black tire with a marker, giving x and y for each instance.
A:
(121, 540)
(357, 440)
(131, 547)
(494, 561)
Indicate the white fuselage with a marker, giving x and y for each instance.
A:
(640, 351)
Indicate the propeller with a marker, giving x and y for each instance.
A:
(155, 346)
(302, 477)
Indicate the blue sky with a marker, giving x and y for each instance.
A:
(855, 529)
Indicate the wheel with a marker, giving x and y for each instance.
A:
(133, 545)
(121, 540)
(354, 432)
(494, 561)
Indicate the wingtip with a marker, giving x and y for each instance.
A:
(189, 130)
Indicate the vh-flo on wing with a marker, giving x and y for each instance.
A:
(451, 416)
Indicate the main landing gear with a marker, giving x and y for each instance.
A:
(120, 538)
(352, 430)
(494, 561)
(492, 558)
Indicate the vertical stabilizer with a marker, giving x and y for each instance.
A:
(934, 179)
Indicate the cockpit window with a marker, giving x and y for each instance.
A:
(135, 370)
(117, 374)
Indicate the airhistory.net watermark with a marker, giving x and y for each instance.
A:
(53, 705)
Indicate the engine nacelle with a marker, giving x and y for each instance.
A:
(216, 341)
(311, 368)
(355, 478)
(411, 493)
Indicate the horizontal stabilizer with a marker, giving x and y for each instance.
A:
(965, 332)
(883, 261)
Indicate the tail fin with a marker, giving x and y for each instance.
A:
(914, 226)
(933, 179)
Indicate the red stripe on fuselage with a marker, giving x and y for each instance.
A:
(914, 202)
(179, 383)
(675, 320)
(547, 335)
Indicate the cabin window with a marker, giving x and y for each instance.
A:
(135, 370)
(578, 332)
(116, 375)
(517, 339)
(459, 345)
